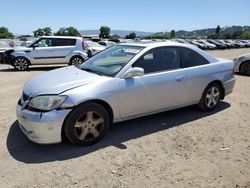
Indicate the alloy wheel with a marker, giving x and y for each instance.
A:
(89, 126)
(21, 64)
(212, 97)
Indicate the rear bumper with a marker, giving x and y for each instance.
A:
(229, 85)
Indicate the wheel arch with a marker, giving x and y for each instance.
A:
(221, 86)
(101, 102)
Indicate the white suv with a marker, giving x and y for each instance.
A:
(48, 50)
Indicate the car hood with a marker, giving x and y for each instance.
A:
(58, 81)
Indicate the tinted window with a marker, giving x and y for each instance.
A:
(159, 59)
(191, 58)
(64, 42)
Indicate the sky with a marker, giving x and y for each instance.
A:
(25, 16)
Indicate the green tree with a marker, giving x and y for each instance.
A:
(217, 30)
(237, 34)
(131, 35)
(172, 33)
(69, 31)
(43, 32)
(227, 36)
(104, 32)
(245, 35)
(4, 33)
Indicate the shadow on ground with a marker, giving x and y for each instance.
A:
(21, 149)
(33, 68)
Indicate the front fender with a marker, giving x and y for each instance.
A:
(21, 54)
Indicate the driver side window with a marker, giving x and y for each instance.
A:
(159, 59)
(44, 43)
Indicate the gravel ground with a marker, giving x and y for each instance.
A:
(180, 148)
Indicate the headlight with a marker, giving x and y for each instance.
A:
(47, 102)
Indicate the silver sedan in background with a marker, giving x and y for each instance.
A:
(123, 82)
(242, 64)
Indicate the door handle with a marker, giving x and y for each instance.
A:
(179, 78)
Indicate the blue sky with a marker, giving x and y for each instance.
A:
(24, 16)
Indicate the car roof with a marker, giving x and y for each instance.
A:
(61, 37)
(153, 44)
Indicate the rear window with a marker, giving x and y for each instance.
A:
(191, 58)
(64, 42)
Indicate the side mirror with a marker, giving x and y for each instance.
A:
(133, 72)
(34, 46)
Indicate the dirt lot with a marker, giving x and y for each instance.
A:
(180, 148)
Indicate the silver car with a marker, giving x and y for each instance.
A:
(242, 64)
(123, 82)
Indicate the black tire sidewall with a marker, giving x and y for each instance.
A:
(72, 58)
(89, 54)
(243, 64)
(14, 64)
(70, 120)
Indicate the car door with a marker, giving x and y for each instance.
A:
(163, 86)
(62, 49)
(42, 51)
(198, 73)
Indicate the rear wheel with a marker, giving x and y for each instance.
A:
(245, 68)
(21, 63)
(87, 124)
(76, 60)
(211, 97)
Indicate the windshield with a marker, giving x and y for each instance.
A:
(110, 61)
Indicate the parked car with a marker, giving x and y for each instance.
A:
(209, 45)
(242, 64)
(107, 43)
(122, 82)
(26, 43)
(193, 42)
(93, 47)
(218, 44)
(47, 50)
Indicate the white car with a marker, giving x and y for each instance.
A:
(242, 64)
(93, 48)
(48, 50)
(107, 43)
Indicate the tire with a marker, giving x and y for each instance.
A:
(211, 97)
(89, 54)
(76, 60)
(21, 63)
(1, 58)
(245, 68)
(86, 124)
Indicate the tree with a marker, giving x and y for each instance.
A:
(245, 35)
(172, 33)
(104, 32)
(236, 34)
(213, 36)
(4, 33)
(217, 30)
(69, 31)
(227, 36)
(131, 35)
(43, 32)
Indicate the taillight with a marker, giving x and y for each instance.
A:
(83, 45)
(233, 72)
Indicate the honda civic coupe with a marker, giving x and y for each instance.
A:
(123, 82)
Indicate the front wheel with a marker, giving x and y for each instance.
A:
(21, 63)
(211, 97)
(87, 124)
(245, 68)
